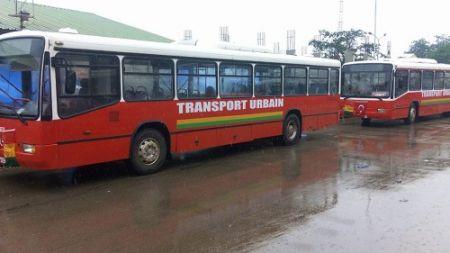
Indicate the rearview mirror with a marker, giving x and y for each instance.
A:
(71, 82)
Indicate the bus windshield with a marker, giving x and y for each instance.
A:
(20, 68)
(367, 80)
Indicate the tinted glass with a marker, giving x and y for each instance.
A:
(439, 81)
(427, 82)
(236, 80)
(267, 80)
(334, 81)
(318, 81)
(147, 79)
(196, 79)
(415, 80)
(401, 82)
(95, 79)
(294, 81)
(366, 80)
(447, 80)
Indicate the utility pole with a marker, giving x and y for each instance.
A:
(341, 16)
(375, 23)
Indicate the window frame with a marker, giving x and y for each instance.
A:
(423, 78)
(219, 76)
(284, 79)
(447, 80)
(435, 79)
(146, 57)
(328, 80)
(196, 60)
(274, 65)
(58, 88)
(398, 71)
(338, 80)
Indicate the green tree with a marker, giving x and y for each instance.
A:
(439, 50)
(337, 45)
(420, 48)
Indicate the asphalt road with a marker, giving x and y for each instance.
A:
(384, 188)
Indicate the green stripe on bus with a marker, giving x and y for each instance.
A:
(228, 122)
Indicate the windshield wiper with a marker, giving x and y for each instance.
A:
(21, 119)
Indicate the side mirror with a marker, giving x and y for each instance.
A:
(71, 82)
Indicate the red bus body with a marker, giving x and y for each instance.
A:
(105, 134)
(428, 102)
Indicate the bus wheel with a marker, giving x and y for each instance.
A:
(365, 122)
(291, 130)
(148, 152)
(412, 115)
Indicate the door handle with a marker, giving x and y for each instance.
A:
(87, 132)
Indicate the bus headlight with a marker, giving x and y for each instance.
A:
(28, 148)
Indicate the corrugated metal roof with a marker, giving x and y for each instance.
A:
(48, 18)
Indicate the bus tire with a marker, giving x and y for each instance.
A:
(365, 122)
(291, 130)
(148, 152)
(412, 115)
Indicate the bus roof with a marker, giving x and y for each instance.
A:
(407, 64)
(105, 44)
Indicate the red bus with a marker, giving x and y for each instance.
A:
(69, 100)
(395, 89)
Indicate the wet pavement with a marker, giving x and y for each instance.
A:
(384, 188)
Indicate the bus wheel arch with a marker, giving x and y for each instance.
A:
(292, 127)
(150, 147)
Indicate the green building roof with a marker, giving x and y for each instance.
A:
(48, 18)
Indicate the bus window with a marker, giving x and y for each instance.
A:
(196, 79)
(401, 82)
(447, 80)
(439, 81)
(294, 81)
(427, 82)
(318, 81)
(415, 80)
(147, 79)
(85, 82)
(236, 80)
(334, 81)
(267, 80)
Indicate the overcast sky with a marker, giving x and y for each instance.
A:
(402, 20)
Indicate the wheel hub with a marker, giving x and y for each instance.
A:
(292, 130)
(149, 151)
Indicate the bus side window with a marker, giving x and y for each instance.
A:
(196, 79)
(414, 80)
(334, 81)
(439, 82)
(318, 81)
(147, 78)
(96, 82)
(401, 82)
(294, 81)
(427, 81)
(267, 80)
(447, 80)
(235, 80)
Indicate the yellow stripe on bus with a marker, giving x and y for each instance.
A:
(435, 101)
(224, 118)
